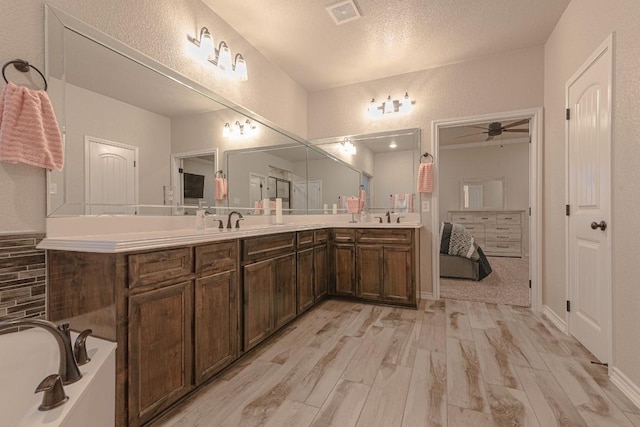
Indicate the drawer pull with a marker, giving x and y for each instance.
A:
(503, 246)
(502, 237)
(485, 217)
(507, 217)
(502, 228)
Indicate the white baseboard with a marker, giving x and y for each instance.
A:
(628, 387)
(426, 295)
(558, 321)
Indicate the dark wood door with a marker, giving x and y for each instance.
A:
(160, 352)
(284, 295)
(344, 260)
(305, 279)
(369, 265)
(320, 266)
(216, 324)
(258, 309)
(399, 281)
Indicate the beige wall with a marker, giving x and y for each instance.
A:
(507, 82)
(159, 29)
(583, 27)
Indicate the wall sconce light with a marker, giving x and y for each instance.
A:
(220, 57)
(347, 147)
(238, 130)
(390, 106)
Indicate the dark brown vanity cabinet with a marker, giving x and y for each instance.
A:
(269, 284)
(216, 305)
(374, 265)
(320, 264)
(160, 350)
(343, 260)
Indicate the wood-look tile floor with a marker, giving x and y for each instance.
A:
(450, 363)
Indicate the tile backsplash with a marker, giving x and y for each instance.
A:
(22, 276)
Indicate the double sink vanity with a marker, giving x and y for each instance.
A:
(183, 305)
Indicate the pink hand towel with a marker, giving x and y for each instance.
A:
(29, 131)
(221, 188)
(425, 178)
(353, 204)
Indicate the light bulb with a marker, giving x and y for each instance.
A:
(224, 57)
(226, 131)
(241, 68)
(388, 106)
(406, 103)
(207, 47)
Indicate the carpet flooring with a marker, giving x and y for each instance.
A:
(507, 284)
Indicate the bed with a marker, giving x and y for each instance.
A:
(460, 256)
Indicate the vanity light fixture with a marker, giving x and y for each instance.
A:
(238, 130)
(221, 57)
(390, 106)
(347, 147)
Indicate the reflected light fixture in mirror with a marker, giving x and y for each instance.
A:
(390, 106)
(239, 130)
(220, 57)
(348, 147)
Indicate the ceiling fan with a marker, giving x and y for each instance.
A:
(496, 129)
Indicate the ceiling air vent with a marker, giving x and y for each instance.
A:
(344, 11)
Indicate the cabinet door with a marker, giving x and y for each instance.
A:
(320, 267)
(258, 287)
(284, 295)
(305, 279)
(398, 282)
(216, 323)
(369, 265)
(344, 262)
(160, 352)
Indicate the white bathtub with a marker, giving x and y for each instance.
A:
(27, 357)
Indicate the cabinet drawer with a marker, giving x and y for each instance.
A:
(485, 218)
(503, 248)
(508, 218)
(504, 233)
(477, 230)
(154, 267)
(257, 248)
(383, 235)
(320, 236)
(216, 258)
(461, 218)
(304, 238)
(344, 235)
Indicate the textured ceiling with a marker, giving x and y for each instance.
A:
(392, 37)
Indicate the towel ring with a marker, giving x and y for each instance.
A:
(426, 155)
(23, 66)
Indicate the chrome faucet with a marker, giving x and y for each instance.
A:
(388, 215)
(237, 220)
(68, 369)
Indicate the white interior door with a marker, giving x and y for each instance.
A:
(111, 178)
(589, 154)
(314, 196)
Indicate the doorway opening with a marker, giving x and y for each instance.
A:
(502, 209)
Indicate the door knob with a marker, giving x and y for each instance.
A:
(601, 225)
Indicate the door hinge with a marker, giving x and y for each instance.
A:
(134, 163)
(567, 210)
(180, 170)
(529, 284)
(568, 114)
(568, 306)
(529, 210)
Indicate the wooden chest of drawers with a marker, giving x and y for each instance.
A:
(499, 233)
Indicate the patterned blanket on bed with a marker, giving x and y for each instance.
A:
(456, 240)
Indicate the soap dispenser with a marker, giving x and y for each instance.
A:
(201, 219)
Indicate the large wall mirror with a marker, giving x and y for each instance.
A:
(388, 162)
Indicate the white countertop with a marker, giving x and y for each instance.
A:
(137, 241)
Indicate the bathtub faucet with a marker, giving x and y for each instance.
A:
(68, 370)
